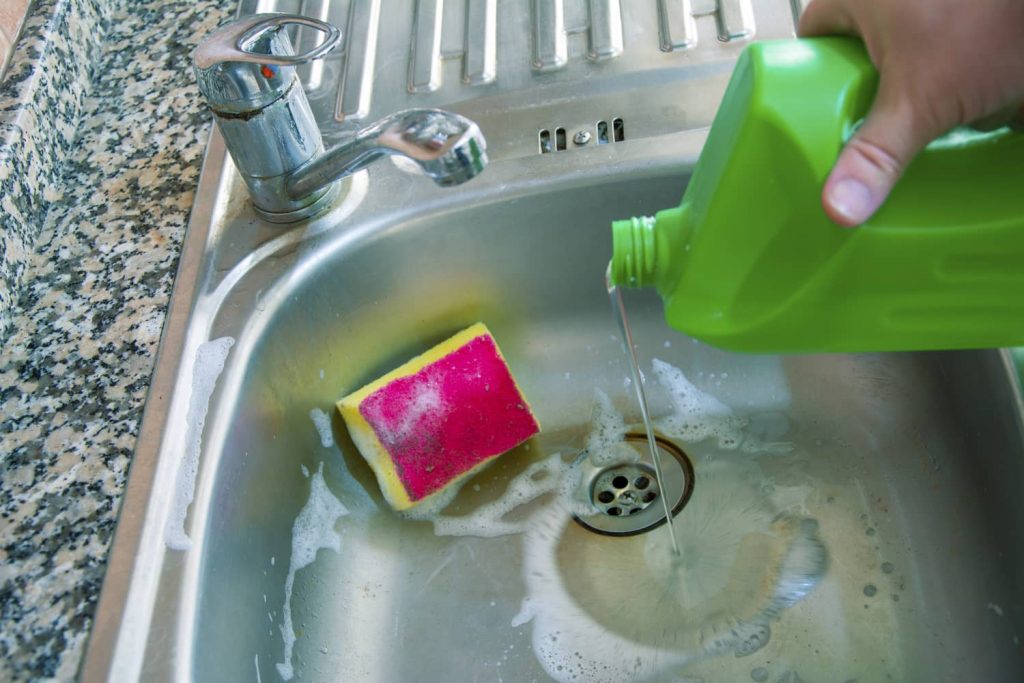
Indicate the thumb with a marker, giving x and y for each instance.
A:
(875, 157)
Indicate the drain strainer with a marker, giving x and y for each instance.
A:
(625, 490)
(626, 495)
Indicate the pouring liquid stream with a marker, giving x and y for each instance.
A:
(619, 311)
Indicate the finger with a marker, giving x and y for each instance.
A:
(825, 18)
(876, 156)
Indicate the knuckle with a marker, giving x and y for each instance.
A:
(881, 159)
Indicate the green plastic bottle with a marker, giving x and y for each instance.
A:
(750, 262)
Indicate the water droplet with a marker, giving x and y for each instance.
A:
(870, 590)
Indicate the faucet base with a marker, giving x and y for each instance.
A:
(318, 206)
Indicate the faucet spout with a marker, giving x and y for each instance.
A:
(246, 72)
(448, 147)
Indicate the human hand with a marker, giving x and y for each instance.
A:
(941, 63)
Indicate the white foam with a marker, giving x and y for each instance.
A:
(322, 421)
(256, 660)
(305, 471)
(607, 431)
(605, 442)
(421, 410)
(209, 363)
(696, 415)
(526, 614)
(489, 521)
(313, 530)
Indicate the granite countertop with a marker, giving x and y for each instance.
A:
(102, 136)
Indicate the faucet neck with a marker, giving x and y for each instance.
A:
(246, 72)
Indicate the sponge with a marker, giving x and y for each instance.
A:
(439, 418)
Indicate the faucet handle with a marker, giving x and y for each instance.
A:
(248, 63)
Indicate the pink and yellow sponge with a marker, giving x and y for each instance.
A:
(438, 418)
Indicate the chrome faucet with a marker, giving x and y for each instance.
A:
(246, 72)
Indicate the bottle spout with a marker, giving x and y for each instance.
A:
(634, 252)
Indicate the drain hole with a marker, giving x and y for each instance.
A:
(602, 132)
(560, 139)
(619, 493)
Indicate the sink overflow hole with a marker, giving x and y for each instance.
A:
(556, 140)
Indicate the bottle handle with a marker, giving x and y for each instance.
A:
(959, 137)
(829, 86)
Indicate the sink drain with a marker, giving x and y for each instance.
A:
(625, 490)
(626, 495)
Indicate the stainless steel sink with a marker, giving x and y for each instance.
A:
(851, 517)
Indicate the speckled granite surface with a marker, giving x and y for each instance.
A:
(40, 104)
(91, 245)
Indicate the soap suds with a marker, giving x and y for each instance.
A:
(313, 530)
(607, 431)
(209, 363)
(696, 415)
(422, 408)
(322, 422)
(489, 521)
(527, 611)
(714, 600)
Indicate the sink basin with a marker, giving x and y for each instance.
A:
(851, 517)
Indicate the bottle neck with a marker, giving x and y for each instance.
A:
(648, 251)
(634, 252)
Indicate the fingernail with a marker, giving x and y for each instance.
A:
(851, 199)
